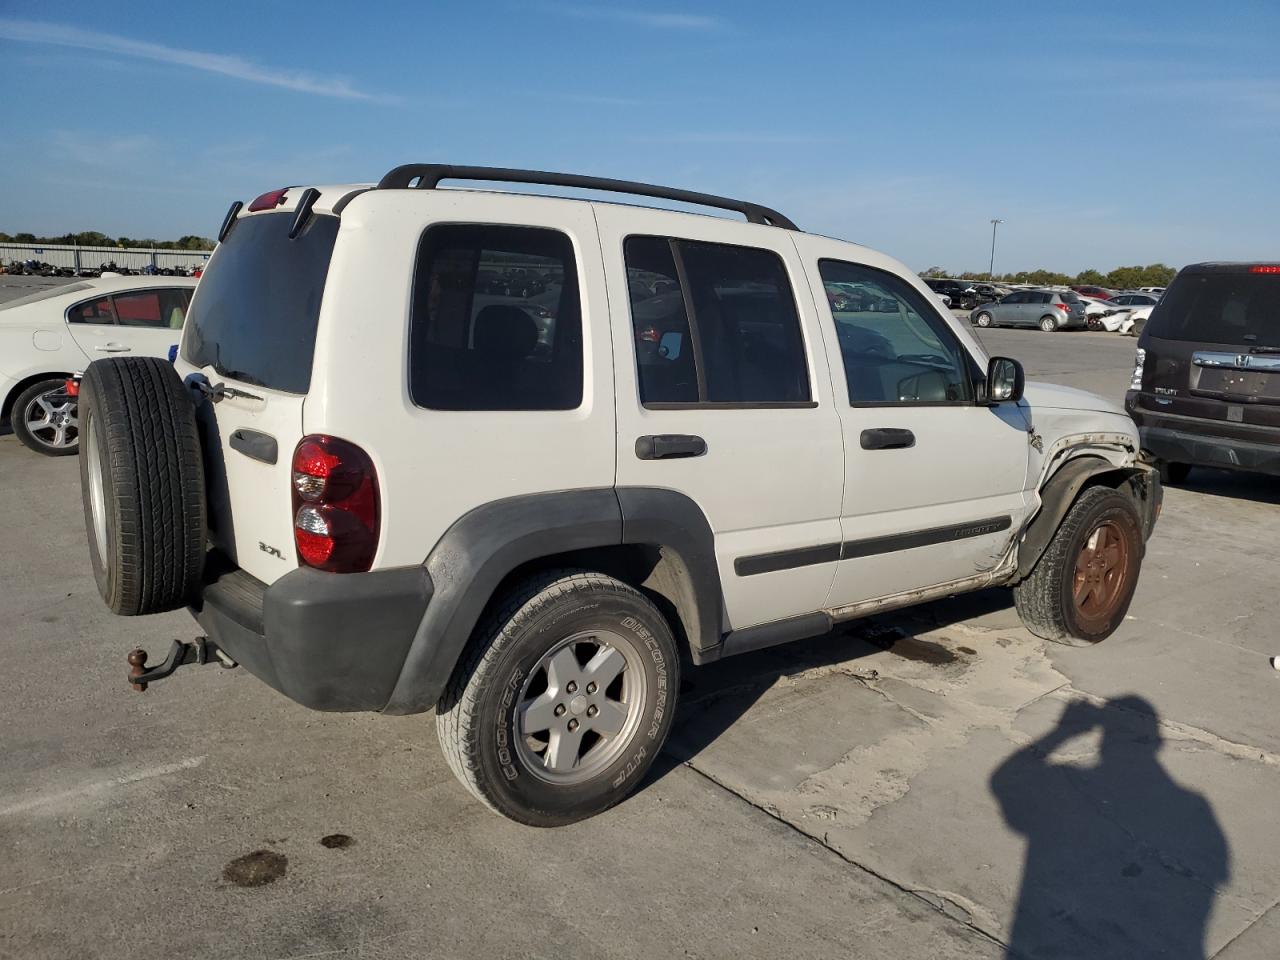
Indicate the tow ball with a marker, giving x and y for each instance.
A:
(198, 651)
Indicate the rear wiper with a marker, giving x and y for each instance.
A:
(1264, 349)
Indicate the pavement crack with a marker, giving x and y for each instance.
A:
(941, 903)
(1176, 731)
(1222, 951)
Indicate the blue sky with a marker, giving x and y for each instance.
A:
(1102, 133)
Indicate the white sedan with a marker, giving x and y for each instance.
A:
(1103, 314)
(1134, 321)
(50, 335)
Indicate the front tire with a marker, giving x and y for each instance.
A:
(983, 319)
(563, 700)
(1080, 589)
(45, 419)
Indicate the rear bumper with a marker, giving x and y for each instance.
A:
(1201, 443)
(329, 641)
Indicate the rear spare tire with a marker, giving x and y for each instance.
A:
(142, 483)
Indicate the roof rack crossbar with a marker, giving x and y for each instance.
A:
(429, 175)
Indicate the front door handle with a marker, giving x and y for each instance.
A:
(113, 348)
(668, 446)
(887, 438)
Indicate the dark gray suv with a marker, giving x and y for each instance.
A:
(1047, 309)
(1206, 379)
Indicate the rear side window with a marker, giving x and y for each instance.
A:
(92, 311)
(713, 324)
(254, 316)
(1236, 308)
(497, 320)
(157, 309)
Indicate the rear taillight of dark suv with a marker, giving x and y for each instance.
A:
(335, 505)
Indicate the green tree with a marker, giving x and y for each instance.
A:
(1091, 277)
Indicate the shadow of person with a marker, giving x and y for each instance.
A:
(1121, 860)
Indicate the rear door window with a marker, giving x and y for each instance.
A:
(714, 324)
(254, 316)
(154, 309)
(497, 320)
(1234, 308)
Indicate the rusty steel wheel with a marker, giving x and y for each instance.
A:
(1079, 591)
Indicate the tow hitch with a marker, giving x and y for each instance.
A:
(198, 651)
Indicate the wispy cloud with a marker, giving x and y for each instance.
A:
(657, 19)
(731, 137)
(230, 65)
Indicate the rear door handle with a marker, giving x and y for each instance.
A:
(668, 446)
(113, 348)
(887, 438)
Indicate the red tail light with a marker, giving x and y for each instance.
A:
(269, 200)
(1265, 268)
(73, 387)
(648, 334)
(1064, 307)
(335, 505)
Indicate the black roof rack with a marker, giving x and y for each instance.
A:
(427, 176)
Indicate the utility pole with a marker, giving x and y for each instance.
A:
(991, 270)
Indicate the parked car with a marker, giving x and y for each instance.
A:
(49, 335)
(1134, 321)
(1103, 314)
(988, 293)
(1158, 291)
(1135, 299)
(1047, 309)
(677, 475)
(1101, 293)
(1206, 378)
(961, 295)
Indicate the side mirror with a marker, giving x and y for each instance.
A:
(1005, 380)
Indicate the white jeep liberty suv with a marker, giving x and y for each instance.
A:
(512, 457)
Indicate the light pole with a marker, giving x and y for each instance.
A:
(991, 270)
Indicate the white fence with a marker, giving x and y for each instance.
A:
(78, 258)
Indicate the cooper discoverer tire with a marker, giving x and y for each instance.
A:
(142, 484)
(1080, 589)
(523, 722)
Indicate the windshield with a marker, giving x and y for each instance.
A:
(254, 315)
(1242, 309)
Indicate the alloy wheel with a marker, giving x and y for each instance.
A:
(52, 418)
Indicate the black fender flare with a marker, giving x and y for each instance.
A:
(485, 545)
(1063, 487)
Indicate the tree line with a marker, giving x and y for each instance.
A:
(1121, 278)
(91, 238)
